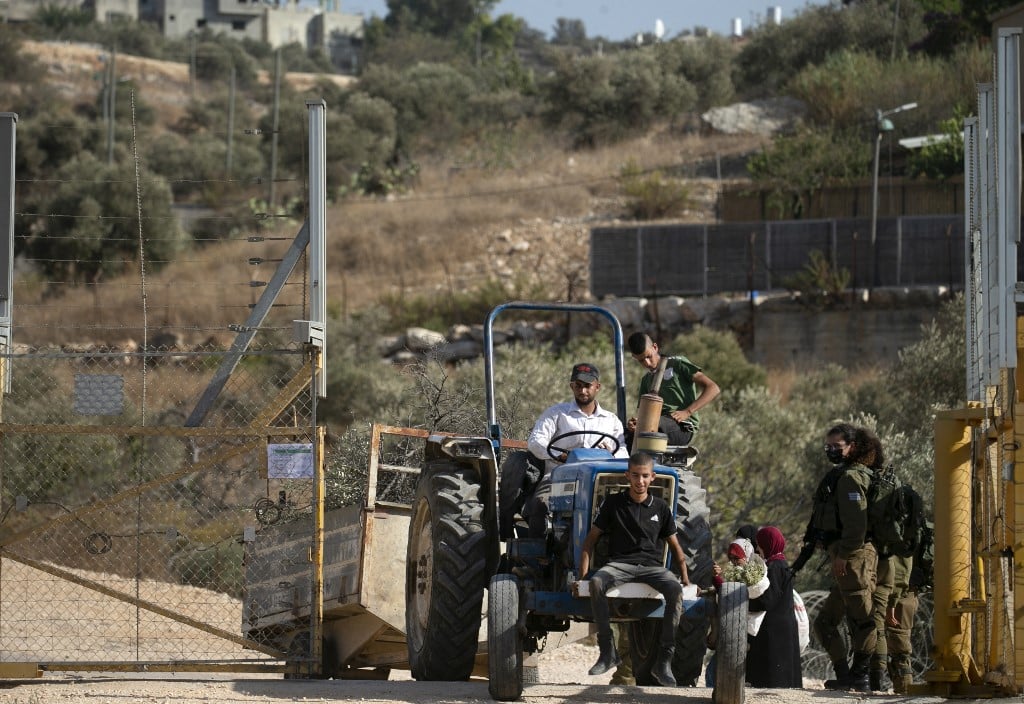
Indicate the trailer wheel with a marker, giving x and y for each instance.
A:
(694, 533)
(731, 649)
(445, 573)
(504, 642)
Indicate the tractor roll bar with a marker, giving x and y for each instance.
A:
(493, 428)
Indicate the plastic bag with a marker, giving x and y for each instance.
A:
(754, 619)
(803, 623)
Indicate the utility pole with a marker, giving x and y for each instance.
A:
(112, 100)
(273, 136)
(231, 122)
(192, 65)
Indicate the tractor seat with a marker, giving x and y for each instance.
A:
(637, 590)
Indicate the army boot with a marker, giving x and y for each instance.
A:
(623, 673)
(662, 670)
(860, 680)
(608, 659)
(879, 680)
(901, 676)
(842, 679)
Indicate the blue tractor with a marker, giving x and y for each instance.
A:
(467, 538)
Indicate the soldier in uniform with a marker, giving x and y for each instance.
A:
(899, 622)
(839, 525)
(881, 601)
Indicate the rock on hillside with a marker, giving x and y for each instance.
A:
(764, 117)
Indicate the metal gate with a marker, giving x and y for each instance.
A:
(135, 467)
(122, 544)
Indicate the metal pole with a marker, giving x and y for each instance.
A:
(8, 133)
(874, 205)
(112, 110)
(231, 123)
(192, 65)
(273, 137)
(953, 461)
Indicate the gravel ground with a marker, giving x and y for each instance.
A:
(562, 674)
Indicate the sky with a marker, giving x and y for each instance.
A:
(622, 19)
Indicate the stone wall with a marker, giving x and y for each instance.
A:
(778, 331)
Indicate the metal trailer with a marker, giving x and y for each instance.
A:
(362, 631)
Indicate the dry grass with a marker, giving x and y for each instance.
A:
(436, 237)
(440, 236)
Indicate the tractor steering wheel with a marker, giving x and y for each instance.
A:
(552, 448)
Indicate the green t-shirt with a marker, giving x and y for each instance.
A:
(677, 390)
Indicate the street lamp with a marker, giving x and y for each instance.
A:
(882, 125)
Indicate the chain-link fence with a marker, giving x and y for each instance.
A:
(123, 530)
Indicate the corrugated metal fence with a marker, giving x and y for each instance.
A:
(653, 260)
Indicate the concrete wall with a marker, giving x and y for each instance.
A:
(790, 337)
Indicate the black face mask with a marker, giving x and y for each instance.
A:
(834, 454)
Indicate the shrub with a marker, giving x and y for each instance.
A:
(439, 312)
(651, 195)
(941, 159)
(18, 66)
(602, 99)
(844, 91)
(43, 146)
(774, 53)
(706, 63)
(794, 166)
(94, 230)
(819, 283)
(215, 58)
(429, 100)
(719, 353)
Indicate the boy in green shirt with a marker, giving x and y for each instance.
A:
(678, 391)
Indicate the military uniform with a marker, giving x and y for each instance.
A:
(880, 601)
(842, 525)
(903, 600)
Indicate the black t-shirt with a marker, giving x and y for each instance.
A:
(636, 531)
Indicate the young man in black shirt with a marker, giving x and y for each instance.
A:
(638, 525)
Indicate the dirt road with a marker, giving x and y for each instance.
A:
(178, 691)
(561, 672)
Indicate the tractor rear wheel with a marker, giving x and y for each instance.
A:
(504, 642)
(731, 646)
(694, 533)
(445, 573)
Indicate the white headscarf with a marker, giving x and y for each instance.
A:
(745, 545)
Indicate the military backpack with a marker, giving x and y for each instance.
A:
(896, 520)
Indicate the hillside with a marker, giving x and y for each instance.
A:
(465, 224)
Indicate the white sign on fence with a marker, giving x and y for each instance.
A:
(290, 461)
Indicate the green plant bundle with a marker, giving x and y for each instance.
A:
(749, 574)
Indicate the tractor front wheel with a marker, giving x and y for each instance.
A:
(731, 647)
(504, 641)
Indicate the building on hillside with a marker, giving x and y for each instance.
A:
(338, 34)
(102, 10)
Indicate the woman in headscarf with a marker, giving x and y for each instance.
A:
(739, 553)
(773, 655)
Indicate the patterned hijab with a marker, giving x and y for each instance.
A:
(771, 542)
(741, 549)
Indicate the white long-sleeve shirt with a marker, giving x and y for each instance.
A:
(567, 417)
